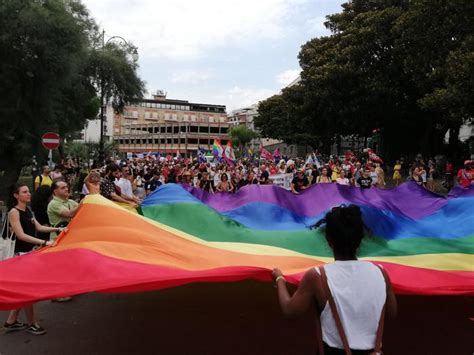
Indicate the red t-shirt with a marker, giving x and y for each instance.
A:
(449, 168)
(466, 177)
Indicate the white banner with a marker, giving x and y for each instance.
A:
(282, 180)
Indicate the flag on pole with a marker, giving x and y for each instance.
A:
(265, 154)
(228, 154)
(201, 155)
(217, 149)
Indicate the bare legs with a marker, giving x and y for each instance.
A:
(29, 312)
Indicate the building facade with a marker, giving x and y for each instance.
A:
(169, 126)
(244, 117)
(91, 131)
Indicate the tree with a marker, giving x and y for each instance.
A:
(392, 65)
(241, 135)
(48, 70)
(88, 150)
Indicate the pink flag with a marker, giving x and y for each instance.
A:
(265, 154)
(374, 157)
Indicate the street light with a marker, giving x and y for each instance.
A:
(102, 90)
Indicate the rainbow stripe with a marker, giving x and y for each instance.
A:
(424, 241)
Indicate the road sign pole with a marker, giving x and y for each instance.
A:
(50, 159)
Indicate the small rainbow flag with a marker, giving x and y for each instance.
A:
(424, 241)
(217, 149)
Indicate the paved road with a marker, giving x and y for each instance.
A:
(237, 318)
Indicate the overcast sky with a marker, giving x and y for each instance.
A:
(225, 52)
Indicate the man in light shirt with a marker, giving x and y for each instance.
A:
(126, 186)
(60, 209)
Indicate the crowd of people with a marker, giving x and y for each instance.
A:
(136, 178)
(131, 180)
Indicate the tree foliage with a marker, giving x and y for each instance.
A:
(50, 60)
(241, 135)
(400, 66)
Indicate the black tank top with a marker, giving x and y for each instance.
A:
(26, 221)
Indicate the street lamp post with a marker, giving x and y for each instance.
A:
(103, 100)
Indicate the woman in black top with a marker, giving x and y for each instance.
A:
(25, 226)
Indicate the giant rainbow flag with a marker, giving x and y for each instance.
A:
(424, 241)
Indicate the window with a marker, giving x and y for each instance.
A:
(193, 118)
(211, 119)
(155, 115)
(183, 141)
(135, 114)
(174, 117)
(215, 130)
(193, 129)
(203, 141)
(173, 107)
(168, 140)
(203, 129)
(192, 141)
(175, 129)
(168, 129)
(182, 128)
(167, 116)
(175, 140)
(156, 141)
(162, 129)
(185, 118)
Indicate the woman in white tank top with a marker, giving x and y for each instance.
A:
(360, 289)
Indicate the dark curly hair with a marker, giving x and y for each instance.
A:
(344, 229)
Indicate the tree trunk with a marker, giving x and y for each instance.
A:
(453, 138)
(10, 176)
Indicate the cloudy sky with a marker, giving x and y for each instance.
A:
(226, 52)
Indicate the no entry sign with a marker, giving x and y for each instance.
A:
(50, 140)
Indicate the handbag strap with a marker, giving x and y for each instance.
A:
(334, 311)
(7, 231)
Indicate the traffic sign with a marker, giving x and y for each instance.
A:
(50, 140)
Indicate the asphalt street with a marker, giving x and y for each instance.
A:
(234, 318)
